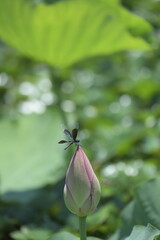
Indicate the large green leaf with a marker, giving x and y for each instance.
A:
(143, 210)
(148, 196)
(69, 31)
(144, 233)
(29, 155)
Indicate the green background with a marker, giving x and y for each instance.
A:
(88, 64)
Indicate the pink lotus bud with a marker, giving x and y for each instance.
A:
(82, 189)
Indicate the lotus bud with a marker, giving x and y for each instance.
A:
(82, 189)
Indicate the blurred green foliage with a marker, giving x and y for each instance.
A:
(113, 95)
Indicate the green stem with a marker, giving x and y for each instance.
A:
(82, 228)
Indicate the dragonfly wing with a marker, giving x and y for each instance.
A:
(74, 133)
(68, 134)
(63, 141)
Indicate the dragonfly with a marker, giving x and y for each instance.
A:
(73, 136)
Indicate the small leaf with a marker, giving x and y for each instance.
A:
(93, 238)
(144, 233)
(63, 236)
(30, 234)
(68, 236)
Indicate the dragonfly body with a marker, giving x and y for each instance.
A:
(72, 136)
